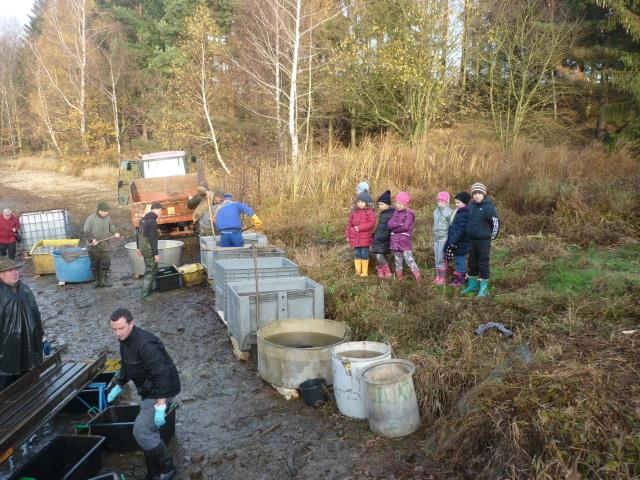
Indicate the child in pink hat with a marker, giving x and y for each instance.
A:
(442, 216)
(401, 226)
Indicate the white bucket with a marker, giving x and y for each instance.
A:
(391, 398)
(347, 362)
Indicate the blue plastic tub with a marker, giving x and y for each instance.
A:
(77, 270)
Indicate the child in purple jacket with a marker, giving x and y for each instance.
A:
(401, 226)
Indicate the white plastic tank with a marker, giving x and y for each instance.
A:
(348, 360)
(170, 252)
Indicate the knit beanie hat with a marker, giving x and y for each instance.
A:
(362, 187)
(478, 187)
(227, 196)
(102, 206)
(364, 197)
(385, 197)
(464, 197)
(402, 197)
(443, 197)
(156, 205)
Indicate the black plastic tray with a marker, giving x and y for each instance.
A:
(116, 425)
(168, 278)
(66, 457)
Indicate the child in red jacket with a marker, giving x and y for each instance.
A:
(359, 232)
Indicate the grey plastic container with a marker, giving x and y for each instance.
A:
(44, 225)
(241, 269)
(278, 299)
(209, 253)
(170, 252)
(249, 238)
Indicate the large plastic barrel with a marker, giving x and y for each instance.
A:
(75, 267)
(348, 360)
(391, 398)
(170, 252)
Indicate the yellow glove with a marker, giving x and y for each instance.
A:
(256, 221)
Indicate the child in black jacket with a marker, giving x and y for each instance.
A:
(482, 228)
(382, 236)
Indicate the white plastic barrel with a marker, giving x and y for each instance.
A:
(391, 398)
(347, 362)
(170, 252)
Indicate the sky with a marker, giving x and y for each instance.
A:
(15, 9)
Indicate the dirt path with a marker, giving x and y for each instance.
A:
(231, 424)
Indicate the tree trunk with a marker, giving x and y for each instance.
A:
(205, 106)
(293, 89)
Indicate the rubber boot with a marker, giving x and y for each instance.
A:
(484, 288)
(386, 271)
(162, 462)
(364, 271)
(472, 286)
(441, 276)
(380, 271)
(98, 279)
(399, 275)
(458, 280)
(104, 279)
(416, 275)
(147, 287)
(358, 264)
(152, 469)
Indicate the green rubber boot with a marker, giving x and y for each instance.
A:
(472, 286)
(147, 286)
(98, 279)
(484, 288)
(105, 278)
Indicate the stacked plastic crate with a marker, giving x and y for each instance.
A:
(254, 288)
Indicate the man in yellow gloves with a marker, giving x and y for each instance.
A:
(229, 222)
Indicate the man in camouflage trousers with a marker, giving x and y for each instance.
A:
(147, 242)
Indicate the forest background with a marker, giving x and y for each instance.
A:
(292, 102)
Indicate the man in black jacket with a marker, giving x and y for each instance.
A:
(146, 362)
(148, 247)
(21, 330)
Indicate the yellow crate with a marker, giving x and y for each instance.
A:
(41, 254)
(192, 274)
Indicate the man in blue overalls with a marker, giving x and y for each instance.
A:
(229, 222)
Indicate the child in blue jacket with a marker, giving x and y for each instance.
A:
(457, 240)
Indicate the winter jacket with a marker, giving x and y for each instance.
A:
(20, 330)
(228, 215)
(7, 225)
(401, 226)
(441, 221)
(458, 231)
(365, 220)
(98, 228)
(147, 363)
(483, 221)
(382, 234)
(149, 230)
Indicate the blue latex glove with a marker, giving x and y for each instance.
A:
(113, 394)
(158, 419)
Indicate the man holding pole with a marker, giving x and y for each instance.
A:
(99, 230)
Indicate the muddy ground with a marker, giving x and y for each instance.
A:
(231, 424)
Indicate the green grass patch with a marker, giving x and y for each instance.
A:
(583, 271)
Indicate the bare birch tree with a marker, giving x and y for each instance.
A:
(62, 50)
(196, 77)
(280, 56)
